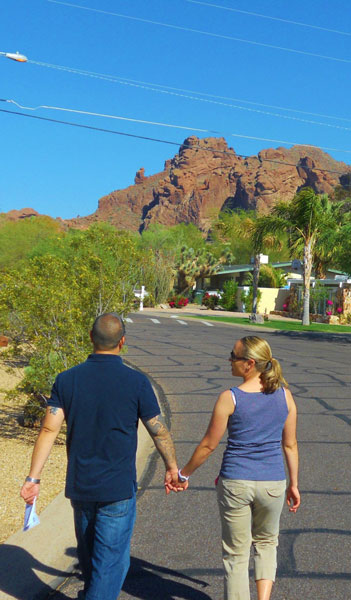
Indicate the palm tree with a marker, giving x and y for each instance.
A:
(309, 218)
(242, 225)
(327, 243)
(250, 230)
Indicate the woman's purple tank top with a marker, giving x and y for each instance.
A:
(255, 429)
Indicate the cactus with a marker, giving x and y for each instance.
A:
(191, 266)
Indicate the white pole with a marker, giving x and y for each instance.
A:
(142, 293)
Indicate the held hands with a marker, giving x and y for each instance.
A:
(293, 498)
(172, 483)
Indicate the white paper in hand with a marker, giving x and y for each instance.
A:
(31, 518)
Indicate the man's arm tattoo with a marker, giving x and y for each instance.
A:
(155, 426)
(162, 439)
(53, 410)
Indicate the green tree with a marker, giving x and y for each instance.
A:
(170, 240)
(268, 277)
(307, 217)
(18, 238)
(343, 252)
(166, 248)
(229, 232)
(48, 306)
(228, 300)
(240, 227)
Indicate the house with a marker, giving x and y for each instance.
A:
(274, 299)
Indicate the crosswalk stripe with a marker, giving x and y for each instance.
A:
(206, 323)
(128, 320)
(181, 322)
(155, 320)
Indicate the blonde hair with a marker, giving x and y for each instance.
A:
(260, 351)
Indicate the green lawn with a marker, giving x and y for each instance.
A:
(284, 325)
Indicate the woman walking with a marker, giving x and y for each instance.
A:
(260, 415)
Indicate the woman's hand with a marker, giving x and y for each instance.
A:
(293, 498)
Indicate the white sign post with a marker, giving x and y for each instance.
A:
(142, 294)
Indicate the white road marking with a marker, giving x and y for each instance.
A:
(174, 316)
(206, 323)
(128, 320)
(181, 322)
(155, 320)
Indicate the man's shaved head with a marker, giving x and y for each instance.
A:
(107, 331)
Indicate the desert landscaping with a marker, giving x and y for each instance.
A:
(16, 444)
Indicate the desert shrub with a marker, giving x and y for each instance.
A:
(228, 300)
(246, 298)
(318, 296)
(148, 301)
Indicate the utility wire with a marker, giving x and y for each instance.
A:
(206, 100)
(182, 144)
(156, 87)
(201, 32)
(171, 125)
(254, 14)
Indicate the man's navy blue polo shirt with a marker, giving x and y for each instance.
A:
(102, 400)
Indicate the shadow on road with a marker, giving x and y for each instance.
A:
(18, 576)
(146, 581)
(314, 336)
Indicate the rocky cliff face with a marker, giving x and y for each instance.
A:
(207, 176)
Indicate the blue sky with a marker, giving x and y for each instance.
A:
(292, 70)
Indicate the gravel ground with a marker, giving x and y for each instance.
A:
(16, 444)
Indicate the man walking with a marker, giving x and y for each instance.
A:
(101, 401)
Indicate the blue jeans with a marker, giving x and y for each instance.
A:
(103, 532)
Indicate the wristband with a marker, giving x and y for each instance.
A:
(32, 480)
(182, 478)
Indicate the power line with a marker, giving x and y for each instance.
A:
(117, 117)
(170, 125)
(147, 85)
(201, 32)
(254, 14)
(182, 144)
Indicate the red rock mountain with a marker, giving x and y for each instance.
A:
(207, 176)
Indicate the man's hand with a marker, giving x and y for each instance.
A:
(164, 444)
(30, 491)
(172, 483)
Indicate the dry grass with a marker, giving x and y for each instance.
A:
(16, 444)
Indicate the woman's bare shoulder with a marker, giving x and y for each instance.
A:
(225, 402)
(289, 398)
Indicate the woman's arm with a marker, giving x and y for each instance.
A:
(224, 407)
(291, 453)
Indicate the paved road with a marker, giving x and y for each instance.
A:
(176, 546)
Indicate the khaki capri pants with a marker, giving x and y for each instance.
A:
(250, 513)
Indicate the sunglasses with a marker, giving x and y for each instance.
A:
(233, 357)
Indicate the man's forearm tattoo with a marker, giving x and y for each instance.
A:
(53, 410)
(162, 439)
(155, 426)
